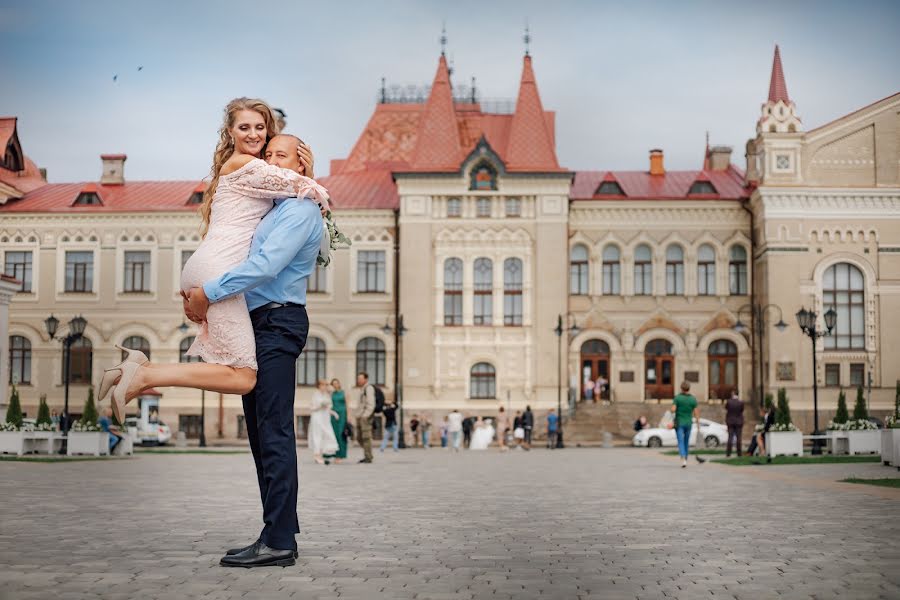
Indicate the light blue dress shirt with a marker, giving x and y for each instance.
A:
(282, 257)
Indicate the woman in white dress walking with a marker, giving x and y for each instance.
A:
(321, 433)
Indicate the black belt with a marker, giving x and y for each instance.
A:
(272, 306)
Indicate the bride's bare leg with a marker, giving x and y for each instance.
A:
(203, 376)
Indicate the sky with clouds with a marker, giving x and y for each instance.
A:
(623, 77)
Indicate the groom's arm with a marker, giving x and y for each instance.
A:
(294, 224)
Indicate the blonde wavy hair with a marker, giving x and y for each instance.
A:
(225, 147)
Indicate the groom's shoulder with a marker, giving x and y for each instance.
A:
(300, 209)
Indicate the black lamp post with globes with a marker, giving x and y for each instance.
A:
(807, 319)
(76, 331)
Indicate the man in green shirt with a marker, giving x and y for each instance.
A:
(685, 408)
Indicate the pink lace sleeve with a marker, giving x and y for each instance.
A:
(258, 179)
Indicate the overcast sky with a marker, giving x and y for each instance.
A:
(623, 77)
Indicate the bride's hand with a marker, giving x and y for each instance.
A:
(185, 300)
(306, 159)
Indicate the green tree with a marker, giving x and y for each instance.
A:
(860, 412)
(43, 411)
(14, 410)
(783, 412)
(768, 401)
(841, 416)
(89, 416)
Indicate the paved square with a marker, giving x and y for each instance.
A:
(577, 523)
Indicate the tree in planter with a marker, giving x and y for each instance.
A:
(768, 401)
(783, 412)
(90, 416)
(841, 416)
(44, 412)
(14, 410)
(860, 412)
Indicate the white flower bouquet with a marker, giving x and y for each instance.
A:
(860, 425)
(336, 240)
(891, 422)
(82, 426)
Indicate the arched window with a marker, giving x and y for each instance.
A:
(484, 286)
(483, 381)
(311, 363)
(578, 270)
(737, 271)
(82, 361)
(183, 348)
(674, 270)
(483, 177)
(19, 359)
(453, 284)
(706, 271)
(643, 271)
(659, 370)
(723, 371)
(512, 291)
(843, 289)
(370, 359)
(136, 342)
(611, 270)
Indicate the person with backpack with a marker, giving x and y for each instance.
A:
(371, 402)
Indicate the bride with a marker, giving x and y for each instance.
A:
(321, 433)
(483, 435)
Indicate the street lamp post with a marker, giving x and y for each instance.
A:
(573, 329)
(76, 331)
(758, 322)
(398, 332)
(807, 321)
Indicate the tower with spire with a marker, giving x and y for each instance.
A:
(779, 114)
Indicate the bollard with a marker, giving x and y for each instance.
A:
(607, 440)
(181, 440)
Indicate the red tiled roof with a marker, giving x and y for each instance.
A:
(372, 189)
(531, 145)
(438, 136)
(7, 128)
(777, 86)
(674, 185)
(27, 179)
(133, 196)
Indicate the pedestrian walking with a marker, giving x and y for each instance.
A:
(341, 423)
(552, 428)
(414, 429)
(391, 431)
(528, 426)
(368, 398)
(518, 430)
(685, 408)
(502, 428)
(588, 389)
(444, 432)
(455, 428)
(468, 425)
(734, 420)
(321, 438)
(425, 426)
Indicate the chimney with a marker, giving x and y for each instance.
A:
(113, 169)
(656, 162)
(719, 158)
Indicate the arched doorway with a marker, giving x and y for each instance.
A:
(594, 364)
(659, 370)
(723, 371)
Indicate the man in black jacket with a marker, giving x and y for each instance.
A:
(734, 420)
(528, 426)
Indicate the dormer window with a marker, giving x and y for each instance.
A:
(196, 198)
(87, 199)
(610, 188)
(702, 187)
(483, 177)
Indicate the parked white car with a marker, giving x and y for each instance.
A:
(148, 433)
(713, 434)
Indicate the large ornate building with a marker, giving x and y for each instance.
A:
(471, 243)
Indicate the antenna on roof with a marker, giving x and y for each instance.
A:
(443, 38)
(473, 91)
(383, 91)
(450, 66)
(527, 38)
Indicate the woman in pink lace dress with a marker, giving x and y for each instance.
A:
(240, 194)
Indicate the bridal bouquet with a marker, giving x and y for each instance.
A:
(336, 239)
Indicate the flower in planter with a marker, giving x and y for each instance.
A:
(779, 427)
(6, 426)
(860, 425)
(84, 426)
(44, 427)
(892, 422)
(835, 426)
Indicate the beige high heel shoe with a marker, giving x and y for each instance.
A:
(119, 400)
(110, 375)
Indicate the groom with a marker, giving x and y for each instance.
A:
(273, 280)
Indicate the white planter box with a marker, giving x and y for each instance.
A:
(12, 442)
(784, 443)
(41, 442)
(88, 442)
(890, 441)
(837, 442)
(865, 441)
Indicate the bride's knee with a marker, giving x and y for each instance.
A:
(246, 380)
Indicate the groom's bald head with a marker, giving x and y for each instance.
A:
(282, 152)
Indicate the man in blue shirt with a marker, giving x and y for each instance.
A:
(273, 280)
(552, 425)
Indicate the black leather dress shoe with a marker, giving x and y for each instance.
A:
(365, 461)
(259, 555)
(234, 551)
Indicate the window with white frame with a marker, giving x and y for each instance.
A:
(370, 271)
(611, 270)
(483, 381)
(843, 289)
(82, 360)
(453, 288)
(512, 291)
(183, 347)
(454, 207)
(311, 363)
(79, 271)
(19, 360)
(737, 271)
(483, 291)
(137, 271)
(674, 270)
(18, 264)
(370, 359)
(578, 270)
(513, 207)
(706, 270)
(317, 281)
(483, 207)
(643, 271)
